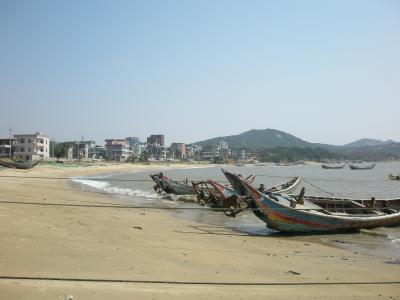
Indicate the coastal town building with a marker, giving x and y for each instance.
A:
(138, 149)
(79, 149)
(156, 140)
(193, 151)
(5, 149)
(178, 150)
(132, 141)
(32, 146)
(97, 152)
(117, 149)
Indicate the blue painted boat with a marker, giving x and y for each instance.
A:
(288, 214)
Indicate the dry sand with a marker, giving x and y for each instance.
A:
(142, 245)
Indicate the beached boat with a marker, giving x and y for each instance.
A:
(288, 214)
(169, 186)
(361, 167)
(18, 164)
(394, 177)
(216, 195)
(286, 187)
(332, 167)
(335, 204)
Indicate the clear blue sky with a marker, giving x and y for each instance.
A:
(325, 71)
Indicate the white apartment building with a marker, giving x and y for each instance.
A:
(32, 146)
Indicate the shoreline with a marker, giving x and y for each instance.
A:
(148, 245)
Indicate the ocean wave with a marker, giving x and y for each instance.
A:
(106, 187)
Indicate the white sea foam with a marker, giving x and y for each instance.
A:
(106, 187)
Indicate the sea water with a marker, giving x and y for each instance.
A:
(358, 184)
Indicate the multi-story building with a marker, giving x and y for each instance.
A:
(138, 149)
(193, 151)
(79, 149)
(97, 152)
(133, 140)
(157, 140)
(5, 149)
(32, 146)
(117, 149)
(179, 150)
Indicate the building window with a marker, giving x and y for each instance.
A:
(22, 149)
(29, 141)
(29, 150)
(22, 141)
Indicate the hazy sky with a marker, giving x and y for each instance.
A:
(324, 71)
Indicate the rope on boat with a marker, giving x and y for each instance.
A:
(318, 188)
(104, 280)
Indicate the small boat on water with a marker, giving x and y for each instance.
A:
(18, 164)
(394, 177)
(288, 214)
(361, 167)
(333, 167)
(216, 195)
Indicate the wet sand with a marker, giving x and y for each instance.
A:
(160, 256)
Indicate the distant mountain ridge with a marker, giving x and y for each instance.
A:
(258, 139)
(367, 142)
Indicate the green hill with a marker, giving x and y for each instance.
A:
(259, 139)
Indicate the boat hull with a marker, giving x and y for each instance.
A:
(285, 214)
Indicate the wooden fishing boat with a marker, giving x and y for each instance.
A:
(18, 164)
(334, 204)
(394, 177)
(169, 186)
(361, 167)
(333, 167)
(288, 214)
(216, 195)
(286, 187)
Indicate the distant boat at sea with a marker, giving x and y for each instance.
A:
(394, 177)
(361, 167)
(324, 166)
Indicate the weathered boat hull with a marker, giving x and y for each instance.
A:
(169, 186)
(346, 204)
(286, 187)
(275, 211)
(18, 165)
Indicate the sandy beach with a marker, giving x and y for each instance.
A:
(74, 249)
